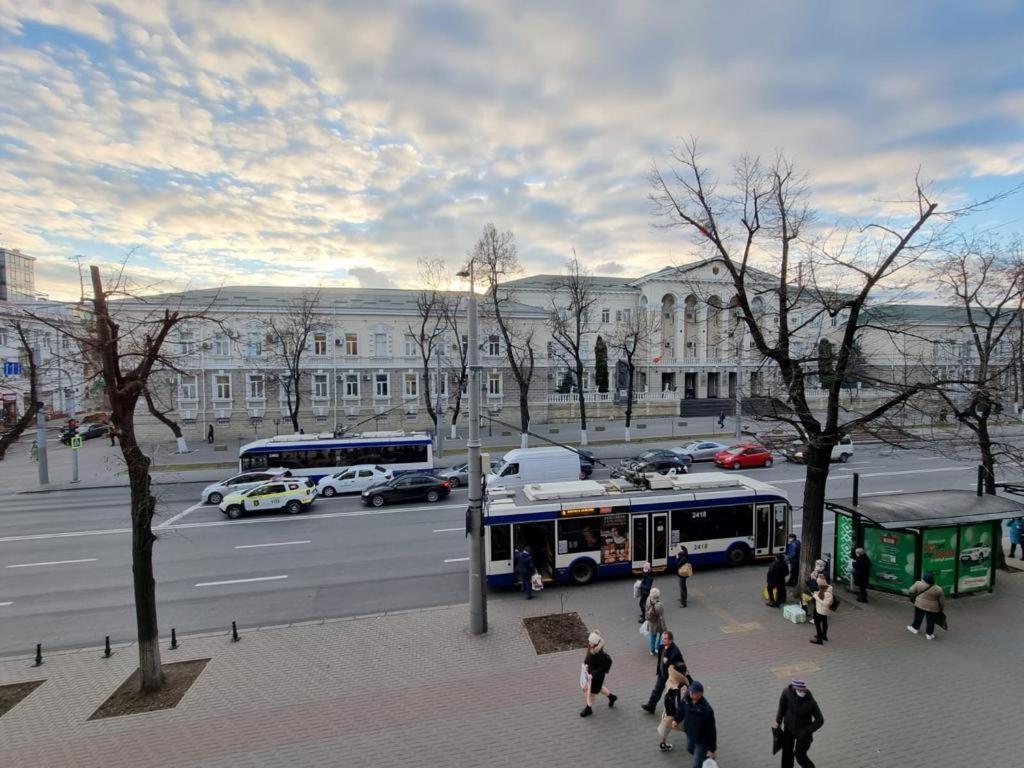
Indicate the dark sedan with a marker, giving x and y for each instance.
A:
(653, 454)
(411, 487)
(86, 432)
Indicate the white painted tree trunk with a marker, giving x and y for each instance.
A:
(627, 434)
(182, 445)
(524, 440)
(583, 437)
(455, 432)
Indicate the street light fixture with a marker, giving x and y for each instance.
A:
(475, 529)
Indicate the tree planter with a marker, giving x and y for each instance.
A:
(129, 699)
(556, 632)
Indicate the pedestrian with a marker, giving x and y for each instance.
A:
(699, 724)
(776, 581)
(111, 433)
(33, 452)
(823, 600)
(799, 717)
(820, 569)
(721, 420)
(646, 582)
(1017, 537)
(678, 681)
(524, 566)
(793, 558)
(684, 570)
(209, 434)
(667, 656)
(861, 572)
(929, 604)
(597, 663)
(655, 618)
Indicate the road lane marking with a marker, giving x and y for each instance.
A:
(456, 559)
(882, 493)
(72, 534)
(53, 562)
(450, 530)
(271, 544)
(241, 581)
(794, 670)
(177, 517)
(4, 605)
(878, 474)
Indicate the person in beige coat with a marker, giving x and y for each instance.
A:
(678, 680)
(654, 612)
(929, 604)
(823, 600)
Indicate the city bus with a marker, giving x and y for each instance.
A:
(317, 456)
(583, 530)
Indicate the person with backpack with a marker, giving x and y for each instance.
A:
(597, 664)
(655, 618)
(776, 581)
(798, 717)
(929, 605)
(667, 656)
(678, 680)
(684, 570)
(646, 582)
(824, 605)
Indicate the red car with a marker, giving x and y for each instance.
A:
(744, 457)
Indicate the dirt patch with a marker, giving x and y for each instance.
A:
(129, 700)
(556, 632)
(11, 695)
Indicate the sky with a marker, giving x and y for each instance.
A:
(224, 142)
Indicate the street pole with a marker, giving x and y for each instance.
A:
(477, 574)
(44, 470)
(439, 408)
(739, 373)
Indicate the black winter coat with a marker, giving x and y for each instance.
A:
(669, 655)
(524, 565)
(799, 716)
(699, 723)
(645, 585)
(778, 572)
(861, 567)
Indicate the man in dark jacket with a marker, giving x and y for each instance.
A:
(861, 570)
(799, 717)
(646, 582)
(776, 581)
(793, 558)
(524, 567)
(668, 655)
(699, 724)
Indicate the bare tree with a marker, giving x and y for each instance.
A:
(572, 302)
(429, 327)
(768, 215)
(288, 336)
(632, 340)
(495, 258)
(454, 308)
(8, 437)
(161, 410)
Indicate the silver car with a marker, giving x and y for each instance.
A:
(214, 494)
(459, 474)
(700, 450)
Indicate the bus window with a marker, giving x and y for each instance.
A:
(725, 522)
(252, 461)
(501, 542)
(582, 534)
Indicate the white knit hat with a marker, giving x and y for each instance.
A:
(594, 638)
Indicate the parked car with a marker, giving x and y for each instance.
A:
(744, 457)
(459, 474)
(652, 454)
(796, 451)
(976, 554)
(414, 486)
(86, 432)
(291, 494)
(215, 493)
(353, 479)
(586, 463)
(523, 466)
(701, 450)
(661, 465)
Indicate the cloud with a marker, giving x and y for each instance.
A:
(609, 268)
(368, 277)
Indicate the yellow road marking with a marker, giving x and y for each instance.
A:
(792, 670)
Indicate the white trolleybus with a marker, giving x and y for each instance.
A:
(317, 456)
(581, 530)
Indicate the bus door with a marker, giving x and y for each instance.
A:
(650, 539)
(639, 540)
(763, 529)
(780, 526)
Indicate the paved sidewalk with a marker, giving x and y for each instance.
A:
(415, 688)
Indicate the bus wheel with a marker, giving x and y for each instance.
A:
(737, 555)
(293, 507)
(582, 572)
(328, 491)
(432, 496)
(215, 498)
(234, 511)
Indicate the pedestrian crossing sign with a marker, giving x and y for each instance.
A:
(76, 442)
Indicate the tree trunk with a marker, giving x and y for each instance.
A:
(33, 396)
(988, 470)
(293, 409)
(524, 415)
(631, 369)
(166, 421)
(583, 401)
(818, 458)
(19, 427)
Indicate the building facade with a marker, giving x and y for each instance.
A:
(17, 276)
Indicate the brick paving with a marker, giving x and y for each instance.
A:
(415, 688)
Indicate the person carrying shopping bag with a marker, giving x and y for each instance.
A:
(596, 665)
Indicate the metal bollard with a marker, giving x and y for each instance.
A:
(39, 655)
(234, 633)
(107, 653)
(174, 639)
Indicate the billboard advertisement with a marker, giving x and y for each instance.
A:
(975, 555)
(939, 554)
(893, 558)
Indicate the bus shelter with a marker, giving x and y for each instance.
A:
(952, 533)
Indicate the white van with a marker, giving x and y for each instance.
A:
(524, 466)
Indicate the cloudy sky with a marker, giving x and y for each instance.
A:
(279, 142)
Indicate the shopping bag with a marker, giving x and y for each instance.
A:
(710, 763)
(776, 740)
(636, 589)
(537, 582)
(584, 677)
(645, 628)
(764, 592)
(942, 621)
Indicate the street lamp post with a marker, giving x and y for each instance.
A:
(475, 531)
(439, 406)
(739, 374)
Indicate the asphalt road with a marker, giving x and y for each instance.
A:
(65, 557)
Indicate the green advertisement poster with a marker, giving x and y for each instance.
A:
(892, 558)
(975, 555)
(938, 555)
(844, 546)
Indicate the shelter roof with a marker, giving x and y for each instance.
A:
(925, 509)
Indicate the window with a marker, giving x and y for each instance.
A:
(380, 385)
(627, 315)
(501, 542)
(380, 345)
(189, 390)
(222, 386)
(351, 344)
(607, 534)
(835, 320)
(494, 384)
(255, 345)
(187, 342)
(442, 388)
(220, 345)
(606, 315)
(409, 345)
(256, 386)
(725, 522)
(320, 343)
(551, 349)
(351, 385)
(465, 344)
(410, 385)
(493, 346)
(618, 315)
(321, 388)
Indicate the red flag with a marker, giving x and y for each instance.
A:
(657, 359)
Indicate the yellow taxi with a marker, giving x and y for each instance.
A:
(291, 494)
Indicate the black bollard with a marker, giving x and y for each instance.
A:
(107, 653)
(234, 633)
(39, 655)
(174, 639)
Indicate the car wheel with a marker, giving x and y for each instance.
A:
(377, 500)
(582, 572)
(293, 507)
(737, 555)
(215, 498)
(843, 458)
(768, 462)
(433, 496)
(735, 465)
(234, 511)
(328, 491)
(454, 480)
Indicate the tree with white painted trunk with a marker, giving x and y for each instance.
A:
(161, 410)
(454, 308)
(632, 339)
(288, 336)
